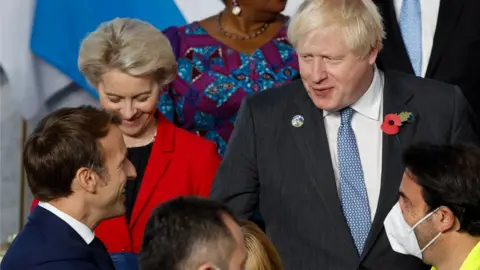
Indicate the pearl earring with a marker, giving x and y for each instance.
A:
(236, 10)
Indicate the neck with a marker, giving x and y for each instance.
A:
(366, 83)
(143, 139)
(76, 210)
(248, 22)
(454, 252)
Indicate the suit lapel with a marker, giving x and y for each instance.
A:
(311, 140)
(448, 17)
(395, 100)
(157, 164)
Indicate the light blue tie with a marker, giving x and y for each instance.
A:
(411, 28)
(353, 193)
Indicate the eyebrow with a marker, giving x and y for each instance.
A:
(139, 94)
(404, 196)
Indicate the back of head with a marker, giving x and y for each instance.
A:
(262, 255)
(62, 143)
(186, 233)
(449, 175)
(360, 21)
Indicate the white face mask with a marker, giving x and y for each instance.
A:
(401, 236)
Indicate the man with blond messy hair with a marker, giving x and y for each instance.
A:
(321, 157)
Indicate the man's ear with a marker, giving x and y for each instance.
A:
(87, 180)
(446, 219)
(372, 57)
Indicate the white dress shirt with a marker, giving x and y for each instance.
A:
(79, 227)
(429, 10)
(366, 122)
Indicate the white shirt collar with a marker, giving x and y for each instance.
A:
(370, 103)
(79, 227)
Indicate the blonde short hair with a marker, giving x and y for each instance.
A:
(261, 254)
(128, 45)
(360, 21)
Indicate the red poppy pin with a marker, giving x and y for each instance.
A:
(392, 122)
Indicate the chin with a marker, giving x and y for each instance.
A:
(131, 131)
(326, 105)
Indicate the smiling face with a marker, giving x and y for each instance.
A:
(110, 191)
(333, 76)
(133, 98)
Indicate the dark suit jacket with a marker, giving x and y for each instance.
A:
(288, 171)
(48, 243)
(456, 46)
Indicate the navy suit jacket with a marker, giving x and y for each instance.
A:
(49, 243)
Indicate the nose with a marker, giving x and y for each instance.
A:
(127, 111)
(319, 72)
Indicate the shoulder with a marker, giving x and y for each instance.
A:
(423, 88)
(276, 97)
(188, 142)
(176, 32)
(181, 142)
(38, 245)
(25, 246)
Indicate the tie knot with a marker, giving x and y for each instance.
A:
(346, 115)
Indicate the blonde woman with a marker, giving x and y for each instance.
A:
(262, 255)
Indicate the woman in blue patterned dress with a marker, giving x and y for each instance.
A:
(223, 59)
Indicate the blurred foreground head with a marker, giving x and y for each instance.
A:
(261, 254)
(191, 233)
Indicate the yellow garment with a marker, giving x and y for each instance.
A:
(473, 260)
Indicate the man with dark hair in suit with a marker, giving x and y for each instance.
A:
(436, 39)
(192, 233)
(76, 164)
(321, 157)
(437, 217)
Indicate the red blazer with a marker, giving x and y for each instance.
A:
(180, 163)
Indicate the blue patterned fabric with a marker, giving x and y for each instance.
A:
(411, 27)
(213, 79)
(353, 193)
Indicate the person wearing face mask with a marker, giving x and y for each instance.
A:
(129, 62)
(321, 157)
(437, 217)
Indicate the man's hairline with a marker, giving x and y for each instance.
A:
(225, 242)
